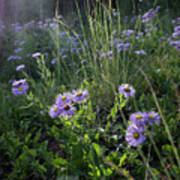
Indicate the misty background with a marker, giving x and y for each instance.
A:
(12, 11)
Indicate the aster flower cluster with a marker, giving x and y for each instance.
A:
(64, 103)
(135, 134)
(176, 36)
(20, 87)
(150, 14)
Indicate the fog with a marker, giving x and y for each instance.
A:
(12, 11)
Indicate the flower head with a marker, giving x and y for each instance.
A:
(55, 111)
(135, 136)
(152, 117)
(80, 95)
(36, 55)
(127, 32)
(20, 87)
(140, 52)
(67, 110)
(127, 90)
(138, 118)
(20, 67)
(64, 98)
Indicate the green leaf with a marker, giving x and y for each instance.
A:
(122, 159)
(98, 149)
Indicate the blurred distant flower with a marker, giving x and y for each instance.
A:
(46, 54)
(19, 87)
(135, 136)
(140, 52)
(176, 21)
(29, 24)
(62, 34)
(127, 32)
(177, 28)
(11, 58)
(18, 28)
(176, 34)
(174, 43)
(80, 95)
(123, 47)
(22, 43)
(64, 56)
(48, 20)
(16, 42)
(36, 55)
(28, 55)
(150, 14)
(20, 67)
(127, 90)
(53, 61)
(18, 50)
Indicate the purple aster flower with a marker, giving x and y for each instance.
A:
(62, 34)
(64, 56)
(178, 48)
(48, 20)
(55, 111)
(20, 82)
(140, 52)
(109, 53)
(80, 95)
(67, 110)
(18, 50)
(176, 34)
(20, 87)
(177, 28)
(127, 90)
(16, 42)
(126, 46)
(174, 43)
(20, 67)
(22, 42)
(64, 98)
(20, 90)
(11, 58)
(149, 15)
(18, 28)
(176, 21)
(36, 55)
(127, 32)
(54, 61)
(138, 119)
(152, 117)
(135, 136)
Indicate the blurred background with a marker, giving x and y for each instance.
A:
(12, 11)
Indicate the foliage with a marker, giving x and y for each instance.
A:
(97, 52)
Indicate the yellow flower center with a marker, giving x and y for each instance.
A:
(136, 135)
(64, 98)
(138, 116)
(151, 116)
(79, 94)
(20, 89)
(55, 109)
(66, 108)
(127, 89)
